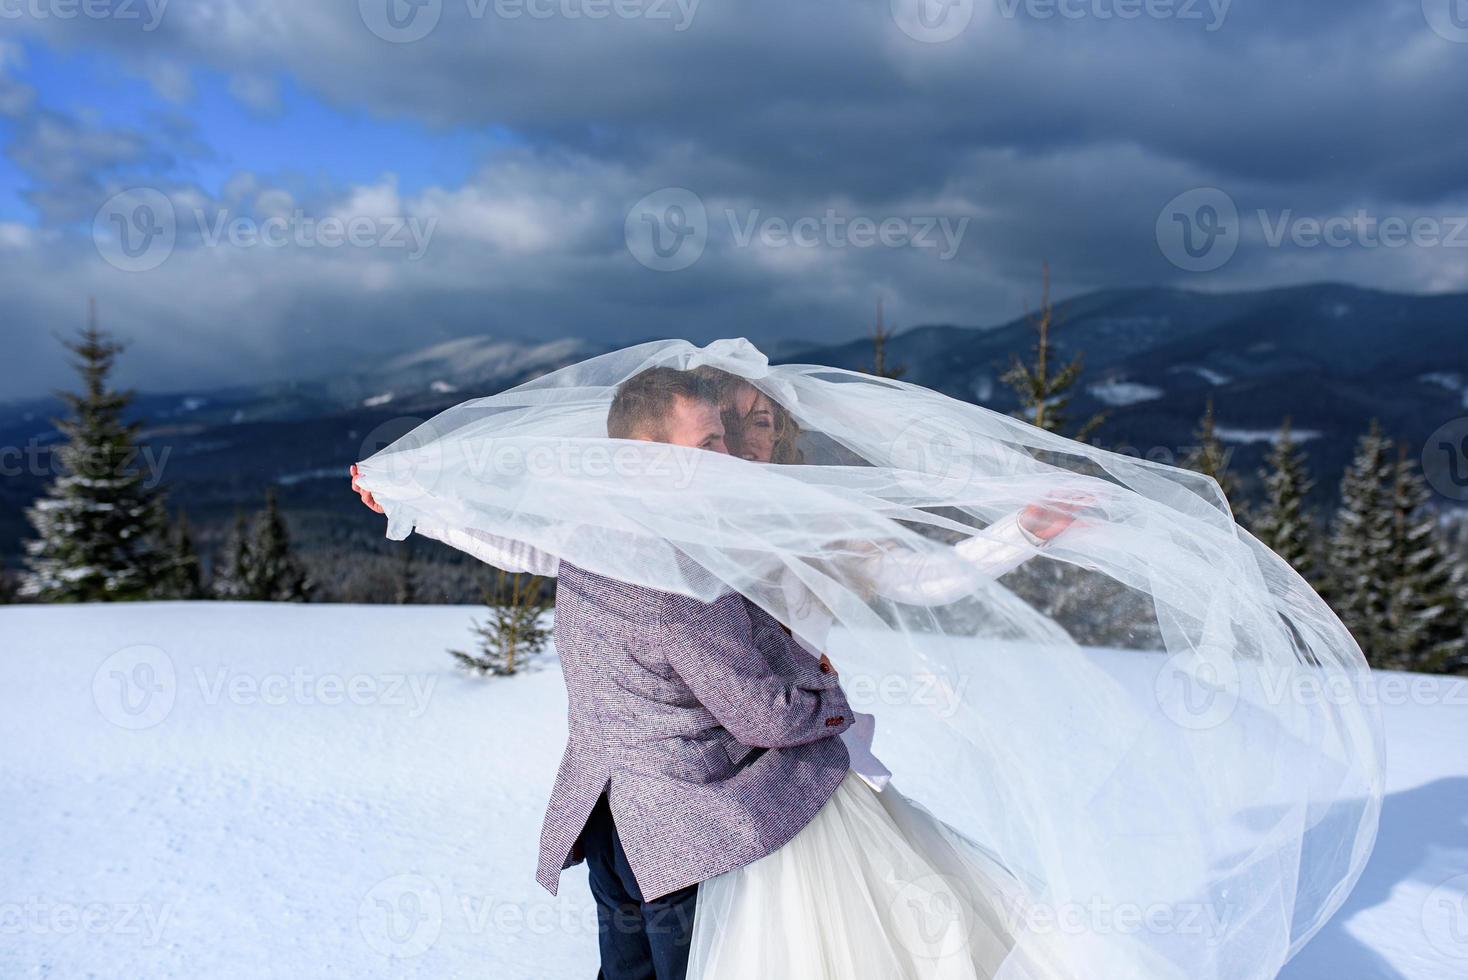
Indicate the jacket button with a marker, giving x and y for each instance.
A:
(834, 720)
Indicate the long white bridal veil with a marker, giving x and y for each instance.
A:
(1155, 727)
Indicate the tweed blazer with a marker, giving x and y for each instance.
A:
(712, 733)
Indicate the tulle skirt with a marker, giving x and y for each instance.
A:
(874, 888)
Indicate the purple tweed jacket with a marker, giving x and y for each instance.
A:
(712, 733)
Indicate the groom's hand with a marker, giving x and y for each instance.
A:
(365, 494)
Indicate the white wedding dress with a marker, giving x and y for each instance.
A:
(876, 887)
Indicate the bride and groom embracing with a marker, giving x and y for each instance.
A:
(716, 780)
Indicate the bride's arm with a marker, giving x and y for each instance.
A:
(917, 579)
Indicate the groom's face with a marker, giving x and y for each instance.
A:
(695, 423)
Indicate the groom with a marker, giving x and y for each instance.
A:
(700, 737)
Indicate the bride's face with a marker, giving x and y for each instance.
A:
(756, 423)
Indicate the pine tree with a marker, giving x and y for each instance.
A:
(183, 578)
(99, 526)
(880, 336)
(1209, 457)
(8, 588)
(1361, 540)
(514, 631)
(273, 573)
(1043, 395)
(232, 570)
(1425, 617)
(1283, 525)
(407, 578)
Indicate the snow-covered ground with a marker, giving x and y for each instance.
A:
(202, 790)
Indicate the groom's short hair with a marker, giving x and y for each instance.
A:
(644, 401)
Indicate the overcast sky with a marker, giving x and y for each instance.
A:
(259, 188)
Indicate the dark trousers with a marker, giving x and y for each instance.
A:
(639, 940)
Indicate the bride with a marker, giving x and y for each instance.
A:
(1146, 805)
(875, 887)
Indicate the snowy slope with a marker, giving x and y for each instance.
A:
(203, 790)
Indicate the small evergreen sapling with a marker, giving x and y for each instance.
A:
(514, 630)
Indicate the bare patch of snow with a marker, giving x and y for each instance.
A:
(1271, 436)
(1449, 380)
(1118, 394)
(321, 473)
(377, 400)
(1215, 378)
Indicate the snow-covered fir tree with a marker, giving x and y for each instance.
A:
(232, 567)
(1209, 457)
(273, 572)
(183, 578)
(1425, 618)
(99, 526)
(1283, 523)
(1361, 542)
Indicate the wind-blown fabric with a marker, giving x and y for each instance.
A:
(1154, 725)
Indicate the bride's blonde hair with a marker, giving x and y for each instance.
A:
(787, 431)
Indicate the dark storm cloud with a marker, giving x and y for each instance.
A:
(1057, 137)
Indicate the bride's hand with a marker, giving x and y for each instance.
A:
(365, 494)
(1050, 518)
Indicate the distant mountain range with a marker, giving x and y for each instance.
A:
(1330, 357)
